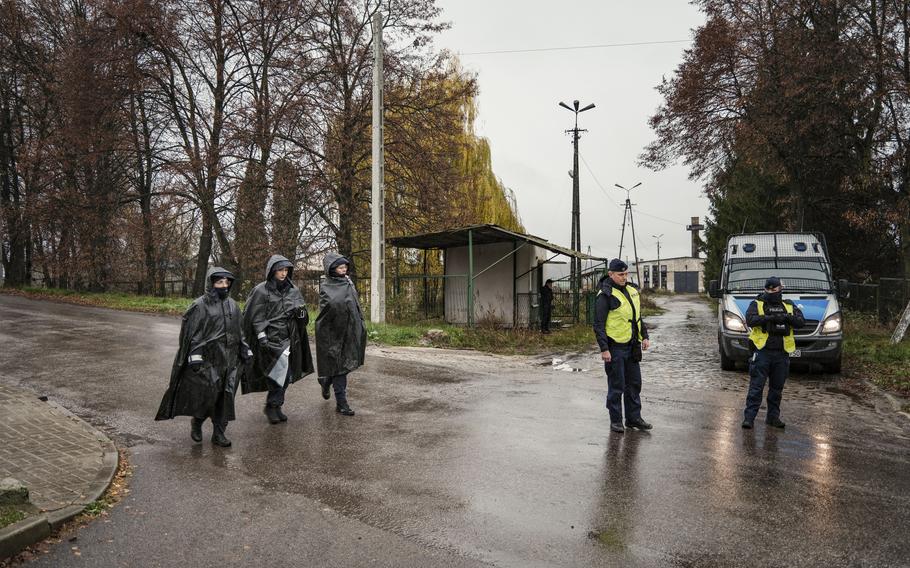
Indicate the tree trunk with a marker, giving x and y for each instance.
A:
(205, 252)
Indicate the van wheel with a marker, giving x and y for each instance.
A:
(726, 363)
(833, 367)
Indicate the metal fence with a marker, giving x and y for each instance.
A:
(527, 308)
(887, 298)
(411, 298)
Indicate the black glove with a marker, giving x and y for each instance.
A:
(778, 318)
(245, 353)
(304, 315)
(263, 340)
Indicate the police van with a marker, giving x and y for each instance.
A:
(801, 261)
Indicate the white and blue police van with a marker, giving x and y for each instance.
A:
(801, 261)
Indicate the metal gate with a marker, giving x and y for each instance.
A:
(685, 282)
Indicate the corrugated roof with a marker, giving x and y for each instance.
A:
(481, 235)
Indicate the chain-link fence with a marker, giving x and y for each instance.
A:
(887, 298)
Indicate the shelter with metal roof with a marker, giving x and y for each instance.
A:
(491, 274)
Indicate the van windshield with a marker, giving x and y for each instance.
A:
(797, 275)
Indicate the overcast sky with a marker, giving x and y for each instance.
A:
(520, 117)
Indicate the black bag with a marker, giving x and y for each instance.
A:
(636, 352)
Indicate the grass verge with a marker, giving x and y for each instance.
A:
(114, 300)
(10, 515)
(868, 352)
(490, 340)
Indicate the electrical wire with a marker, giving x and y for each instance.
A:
(572, 47)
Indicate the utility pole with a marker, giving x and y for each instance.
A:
(377, 250)
(628, 213)
(658, 260)
(576, 207)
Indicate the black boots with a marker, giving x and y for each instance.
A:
(747, 424)
(775, 422)
(218, 437)
(281, 415)
(617, 427)
(196, 429)
(325, 384)
(271, 412)
(638, 423)
(344, 409)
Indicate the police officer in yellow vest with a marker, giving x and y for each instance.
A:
(621, 335)
(772, 320)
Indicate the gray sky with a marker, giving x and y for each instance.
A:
(519, 115)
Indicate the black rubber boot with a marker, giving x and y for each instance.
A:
(281, 415)
(344, 409)
(271, 414)
(218, 437)
(775, 422)
(196, 429)
(326, 385)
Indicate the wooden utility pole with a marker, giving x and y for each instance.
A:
(377, 249)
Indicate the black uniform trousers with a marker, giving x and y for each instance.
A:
(766, 365)
(623, 383)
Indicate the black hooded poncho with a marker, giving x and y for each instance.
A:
(210, 332)
(341, 336)
(281, 317)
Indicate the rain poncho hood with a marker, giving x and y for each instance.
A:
(279, 318)
(341, 336)
(210, 333)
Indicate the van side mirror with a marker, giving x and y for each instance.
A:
(843, 288)
(713, 290)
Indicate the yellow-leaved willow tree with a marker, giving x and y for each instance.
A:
(438, 172)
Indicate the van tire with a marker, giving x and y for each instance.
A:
(726, 363)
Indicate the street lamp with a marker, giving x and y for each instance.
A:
(576, 218)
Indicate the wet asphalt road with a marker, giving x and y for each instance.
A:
(464, 459)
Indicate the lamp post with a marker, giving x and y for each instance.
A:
(658, 258)
(576, 219)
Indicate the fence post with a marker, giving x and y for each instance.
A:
(470, 278)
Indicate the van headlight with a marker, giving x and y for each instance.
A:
(733, 322)
(832, 324)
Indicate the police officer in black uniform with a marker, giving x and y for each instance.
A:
(772, 321)
(621, 335)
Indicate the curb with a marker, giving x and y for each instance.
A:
(19, 535)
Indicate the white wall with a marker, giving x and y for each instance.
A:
(493, 296)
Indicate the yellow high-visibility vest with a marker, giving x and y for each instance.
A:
(619, 321)
(759, 336)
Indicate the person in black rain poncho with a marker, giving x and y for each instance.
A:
(208, 365)
(275, 319)
(341, 336)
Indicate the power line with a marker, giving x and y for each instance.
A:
(570, 47)
(604, 191)
(597, 181)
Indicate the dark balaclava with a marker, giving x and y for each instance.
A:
(773, 297)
